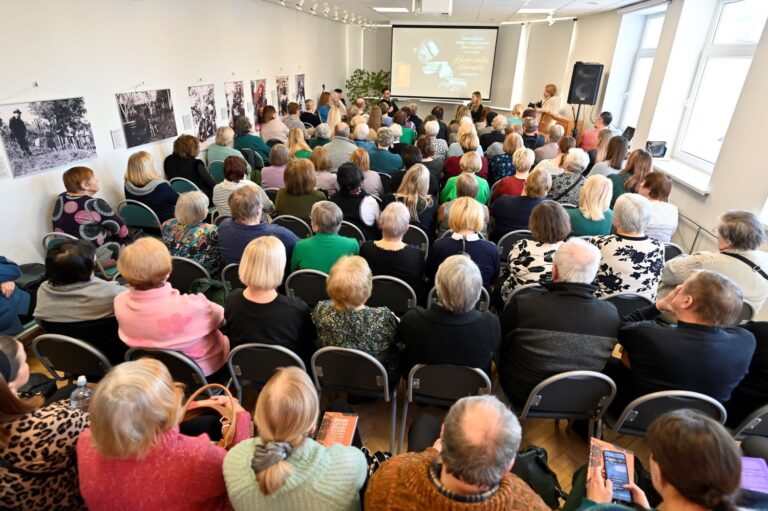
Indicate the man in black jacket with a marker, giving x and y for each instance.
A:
(563, 327)
(19, 131)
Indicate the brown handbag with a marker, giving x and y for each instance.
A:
(226, 414)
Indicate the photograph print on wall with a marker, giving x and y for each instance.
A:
(147, 116)
(41, 135)
(259, 95)
(203, 111)
(282, 95)
(235, 100)
(300, 94)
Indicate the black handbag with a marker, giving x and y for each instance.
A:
(532, 467)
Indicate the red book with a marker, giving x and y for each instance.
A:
(337, 428)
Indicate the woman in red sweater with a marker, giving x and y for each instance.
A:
(133, 455)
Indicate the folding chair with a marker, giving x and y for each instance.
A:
(569, 206)
(509, 239)
(230, 275)
(52, 239)
(139, 215)
(309, 285)
(185, 272)
(182, 368)
(627, 303)
(756, 424)
(350, 230)
(216, 169)
(181, 185)
(249, 155)
(573, 395)
(441, 385)
(482, 304)
(294, 224)
(220, 219)
(73, 357)
(416, 237)
(386, 181)
(392, 293)
(272, 193)
(746, 314)
(528, 288)
(252, 365)
(355, 372)
(672, 250)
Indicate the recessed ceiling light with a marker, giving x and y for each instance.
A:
(535, 11)
(390, 9)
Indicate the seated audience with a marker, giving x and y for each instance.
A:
(550, 149)
(434, 166)
(361, 137)
(414, 119)
(517, 115)
(371, 179)
(15, 302)
(567, 185)
(245, 225)
(512, 212)
(134, 437)
(496, 134)
(144, 185)
(246, 139)
(325, 174)
(382, 160)
(340, 148)
(579, 337)
(357, 206)
(224, 146)
(322, 250)
(615, 156)
(486, 126)
(234, 178)
(469, 144)
(273, 176)
(414, 193)
(663, 223)
(751, 392)
(308, 115)
(321, 137)
(468, 468)
(502, 165)
(632, 262)
(438, 145)
(439, 114)
(293, 120)
(272, 128)
(513, 185)
(740, 234)
(408, 136)
(629, 179)
(297, 147)
(183, 162)
(397, 145)
(465, 222)
(555, 165)
(594, 216)
(466, 186)
(411, 156)
(73, 215)
(38, 441)
(299, 194)
(346, 322)
(283, 467)
(151, 314)
(701, 353)
(588, 140)
(189, 236)
(470, 164)
(531, 138)
(452, 331)
(251, 313)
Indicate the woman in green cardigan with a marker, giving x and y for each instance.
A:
(639, 165)
(593, 217)
(299, 194)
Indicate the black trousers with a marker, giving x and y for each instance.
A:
(425, 429)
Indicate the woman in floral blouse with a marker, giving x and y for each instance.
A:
(187, 235)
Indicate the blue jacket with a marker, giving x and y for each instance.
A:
(18, 303)
(384, 161)
(234, 237)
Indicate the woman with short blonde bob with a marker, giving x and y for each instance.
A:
(470, 163)
(594, 216)
(522, 159)
(345, 321)
(414, 193)
(299, 193)
(189, 235)
(143, 184)
(513, 212)
(468, 143)
(284, 468)
(325, 178)
(134, 434)
(372, 184)
(297, 147)
(502, 165)
(466, 186)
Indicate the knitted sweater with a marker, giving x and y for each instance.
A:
(322, 479)
(405, 483)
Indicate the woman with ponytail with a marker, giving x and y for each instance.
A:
(37, 443)
(283, 468)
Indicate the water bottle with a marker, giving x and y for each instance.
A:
(81, 395)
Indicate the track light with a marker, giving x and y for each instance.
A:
(352, 19)
(345, 18)
(300, 4)
(313, 10)
(326, 9)
(282, 2)
(336, 14)
(550, 20)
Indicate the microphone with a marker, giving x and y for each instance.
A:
(323, 87)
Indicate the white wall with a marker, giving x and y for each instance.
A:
(546, 59)
(95, 48)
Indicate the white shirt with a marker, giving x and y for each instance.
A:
(223, 190)
(602, 168)
(551, 105)
(552, 166)
(663, 223)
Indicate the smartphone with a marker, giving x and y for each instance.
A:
(616, 471)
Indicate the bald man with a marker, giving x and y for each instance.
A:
(340, 147)
(450, 473)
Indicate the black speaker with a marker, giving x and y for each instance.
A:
(585, 82)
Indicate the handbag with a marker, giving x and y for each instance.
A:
(215, 290)
(226, 415)
(749, 263)
(532, 467)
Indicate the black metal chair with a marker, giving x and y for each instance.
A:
(355, 372)
(441, 385)
(252, 365)
(250, 156)
(182, 368)
(73, 357)
(272, 193)
(482, 304)
(756, 424)
(572, 395)
(746, 314)
(220, 219)
(294, 224)
(181, 185)
(416, 237)
(672, 250)
(350, 230)
(185, 272)
(627, 303)
(386, 182)
(509, 239)
(230, 275)
(309, 285)
(392, 293)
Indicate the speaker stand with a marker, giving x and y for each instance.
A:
(575, 132)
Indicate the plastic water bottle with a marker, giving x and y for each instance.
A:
(81, 395)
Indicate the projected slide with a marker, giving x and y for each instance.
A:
(442, 62)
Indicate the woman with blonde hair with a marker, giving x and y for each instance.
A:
(297, 147)
(462, 138)
(223, 146)
(517, 115)
(272, 128)
(466, 186)
(143, 184)
(469, 143)
(134, 436)
(522, 159)
(189, 235)
(512, 212)
(283, 467)
(414, 193)
(325, 178)
(469, 163)
(594, 216)
(334, 118)
(502, 165)
(628, 180)
(550, 102)
(299, 193)
(372, 184)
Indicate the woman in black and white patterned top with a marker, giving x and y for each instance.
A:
(632, 262)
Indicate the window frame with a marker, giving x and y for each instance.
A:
(641, 53)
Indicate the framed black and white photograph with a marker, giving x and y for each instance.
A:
(235, 100)
(282, 95)
(259, 95)
(42, 135)
(300, 94)
(147, 116)
(203, 108)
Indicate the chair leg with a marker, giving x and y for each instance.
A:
(402, 425)
(393, 423)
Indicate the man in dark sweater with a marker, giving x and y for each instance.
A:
(562, 328)
(702, 353)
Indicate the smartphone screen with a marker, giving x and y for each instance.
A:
(616, 471)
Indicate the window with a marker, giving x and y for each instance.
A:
(720, 77)
(641, 70)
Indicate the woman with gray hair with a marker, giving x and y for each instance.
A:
(740, 234)
(452, 331)
(631, 261)
(245, 139)
(322, 250)
(361, 137)
(389, 255)
(322, 136)
(189, 235)
(439, 146)
(566, 186)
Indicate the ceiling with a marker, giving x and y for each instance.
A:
(464, 11)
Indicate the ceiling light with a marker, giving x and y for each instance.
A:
(390, 9)
(313, 10)
(282, 2)
(326, 9)
(345, 18)
(535, 11)
(299, 4)
(336, 14)
(352, 18)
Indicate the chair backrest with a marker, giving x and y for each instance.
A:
(182, 368)
(230, 274)
(747, 313)
(216, 169)
(528, 288)
(386, 181)
(756, 424)
(444, 384)
(350, 230)
(185, 272)
(392, 293)
(294, 224)
(137, 214)
(348, 370)
(70, 356)
(272, 193)
(309, 285)
(416, 237)
(571, 395)
(494, 185)
(220, 219)
(569, 206)
(627, 303)
(252, 365)
(249, 155)
(509, 239)
(52, 239)
(259, 161)
(672, 250)
(640, 413)
(482, 304)
(181, 185)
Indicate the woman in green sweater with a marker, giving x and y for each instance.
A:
(321, 251)
(284, 469)
(299, 193)
(639, 165)
(593, 217)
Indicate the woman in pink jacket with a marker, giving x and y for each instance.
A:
(151, 314)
